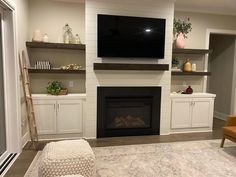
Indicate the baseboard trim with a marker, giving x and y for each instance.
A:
(220, 115)
(25, 139)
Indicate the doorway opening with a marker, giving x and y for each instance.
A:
(222, 64)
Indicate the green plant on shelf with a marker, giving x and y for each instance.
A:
(54, 87)
(175, 62)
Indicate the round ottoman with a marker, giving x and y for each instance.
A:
(72, 176)
(70, 157)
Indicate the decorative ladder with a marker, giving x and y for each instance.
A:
(28, 99)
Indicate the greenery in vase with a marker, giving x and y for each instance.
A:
(54, 87)
(182, 26)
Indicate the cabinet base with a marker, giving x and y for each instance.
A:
(192, 130)
(60, 136)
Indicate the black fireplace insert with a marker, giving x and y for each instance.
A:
(128, 111)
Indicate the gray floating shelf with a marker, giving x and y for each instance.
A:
(48, 45)
(197, 73)
(126, 66)
(32, 70)
(191, 51)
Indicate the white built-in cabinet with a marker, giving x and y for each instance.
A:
(58, 115)
(45, 114)
(190, 113)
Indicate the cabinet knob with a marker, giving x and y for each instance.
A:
(192, 103)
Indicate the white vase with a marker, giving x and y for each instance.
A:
(45, 38)
(37, 36)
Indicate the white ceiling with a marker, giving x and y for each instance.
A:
(70, 1)
(225, 7)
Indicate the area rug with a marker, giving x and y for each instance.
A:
(178, 159)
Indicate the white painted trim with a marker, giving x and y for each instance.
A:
(210, 31)
(220, 115)
(89, 138)
(190, 131)
(8, 3)
(4, 83)
(25, 139)
(233, 94)
(11, 89)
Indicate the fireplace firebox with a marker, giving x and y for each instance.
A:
(128, 111)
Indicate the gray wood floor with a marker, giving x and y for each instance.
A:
(22, 163)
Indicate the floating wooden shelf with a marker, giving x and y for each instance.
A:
(191, 51)
(54, 70)
(126, 66)
(197, 73)
(48, 45)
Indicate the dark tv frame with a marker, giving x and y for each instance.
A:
(146, 57)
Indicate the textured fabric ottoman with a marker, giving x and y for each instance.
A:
(72, 176)
(70, 157)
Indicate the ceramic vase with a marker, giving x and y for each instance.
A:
(180, 41)
(37, 36)
(187, 66)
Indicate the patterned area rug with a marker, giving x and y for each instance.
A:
(178, 159)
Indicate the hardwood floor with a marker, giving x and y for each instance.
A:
(23, 161)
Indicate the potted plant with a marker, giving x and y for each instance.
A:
(175, 63)
(181, 29)
(54, 88)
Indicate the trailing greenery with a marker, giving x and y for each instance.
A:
(182, 26)
(54, 87)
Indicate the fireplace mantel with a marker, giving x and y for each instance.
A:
(129, 66)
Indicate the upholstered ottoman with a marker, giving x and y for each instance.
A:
(70, 157)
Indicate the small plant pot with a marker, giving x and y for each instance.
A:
(63, 91)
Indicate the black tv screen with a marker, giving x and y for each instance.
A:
(123, 36)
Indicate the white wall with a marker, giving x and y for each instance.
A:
(50, 16)
(222, 68)
(201, 22)
(22, 36)
(55, 15)
(148, 8)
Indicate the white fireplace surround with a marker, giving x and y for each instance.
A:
(149, 8)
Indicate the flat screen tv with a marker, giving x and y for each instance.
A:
(134, 37)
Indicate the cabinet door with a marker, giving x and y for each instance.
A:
(69, 116)
(181, 113)
(201, 112)
(45, 115)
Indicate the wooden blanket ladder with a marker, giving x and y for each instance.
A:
(28, 99)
